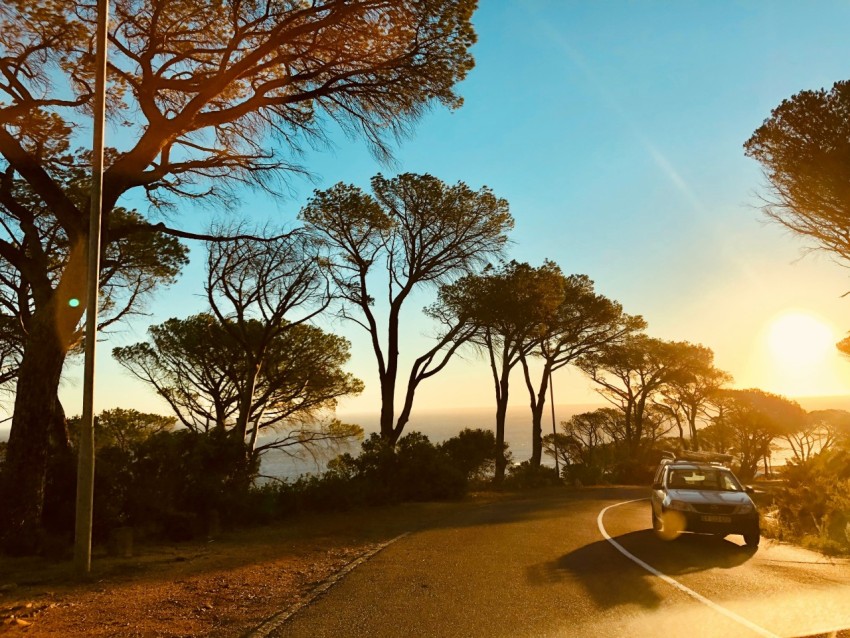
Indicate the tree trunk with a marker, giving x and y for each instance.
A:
(537, 402)
(692, 426)
(681, 433)
(501, 412)
(388, 378)
(388, 432)
(36, 413)
(537, 431)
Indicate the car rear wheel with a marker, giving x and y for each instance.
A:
(752, 540)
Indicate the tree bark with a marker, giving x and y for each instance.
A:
(388, 378)
(537, 401)
(34, 424)
(38, 418)
(501, 412)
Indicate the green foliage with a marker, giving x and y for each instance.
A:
(473, 452)
(412, 470)
(816, 501)
(748, 421)
(122, 429)
(525, 476)
(803, 148)
(201, 369)
(188, 473)
(583, 474)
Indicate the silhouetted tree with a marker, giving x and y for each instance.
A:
(687, 394)
(209, 96)
(413, 232)
(752, 419)
(630, 375)
(804, 150)
(819, 432)
(580, 437)
(123, 429)
(199, 368)
(507, 307)
(579, 326)
(473, 452)
(258, 291)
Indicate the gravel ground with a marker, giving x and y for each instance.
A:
(223, 587)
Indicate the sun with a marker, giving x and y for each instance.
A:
(799, 338)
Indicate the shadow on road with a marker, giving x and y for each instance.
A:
(612, 579)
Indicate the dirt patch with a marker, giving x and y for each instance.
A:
(222, 587)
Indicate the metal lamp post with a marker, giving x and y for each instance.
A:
(85, 463)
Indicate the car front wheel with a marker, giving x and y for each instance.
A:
(656, 523)
(752, 540)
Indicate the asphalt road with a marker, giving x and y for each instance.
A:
(541, 566)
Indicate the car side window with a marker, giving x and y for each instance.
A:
(729, 483)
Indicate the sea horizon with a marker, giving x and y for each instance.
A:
(440, 424)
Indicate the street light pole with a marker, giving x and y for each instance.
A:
(554, 432)
(85, 461)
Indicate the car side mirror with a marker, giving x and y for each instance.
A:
(749, 489)
(657, 486)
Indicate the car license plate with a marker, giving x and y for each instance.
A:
(710, 518)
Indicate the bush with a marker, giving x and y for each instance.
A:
(173, 484)
(584, 474)
(815, 504)
(632, 472)
(526, 476)
(473, 453)
(412, 470)
(425, 472)
(179, 485)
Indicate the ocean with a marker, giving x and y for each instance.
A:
(438, 426)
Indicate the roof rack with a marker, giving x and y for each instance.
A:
(698, 457)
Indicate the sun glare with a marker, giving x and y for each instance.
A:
(799, 338)
(796, 356)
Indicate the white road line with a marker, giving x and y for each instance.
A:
(675, 583)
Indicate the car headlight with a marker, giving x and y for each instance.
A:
(745, 508)
(682, 506)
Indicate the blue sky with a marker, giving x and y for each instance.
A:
(615, 131)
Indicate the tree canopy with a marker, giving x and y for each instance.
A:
(630, 376)
(199, 369)
(208, 97)
(412, 232)
(804, 150)
(581, 324)
(506, 309)
(747, 421)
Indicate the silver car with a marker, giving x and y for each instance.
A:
(703, 497)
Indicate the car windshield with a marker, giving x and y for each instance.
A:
(697, 479)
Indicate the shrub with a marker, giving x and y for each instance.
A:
(412, 470)
(425, 472)
(815, 504)
(472, 452)
(526, 476)
(584, 474)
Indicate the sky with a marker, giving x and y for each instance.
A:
(615, 131)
